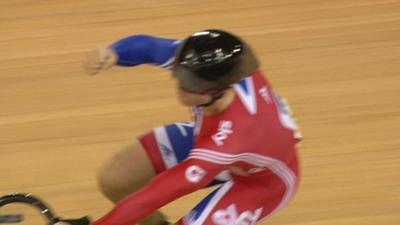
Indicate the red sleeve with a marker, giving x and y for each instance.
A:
(186, 177)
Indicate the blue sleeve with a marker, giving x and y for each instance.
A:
(139, 49)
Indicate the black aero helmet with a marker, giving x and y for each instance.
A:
(212, 60)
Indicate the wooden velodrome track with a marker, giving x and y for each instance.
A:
(337, 61)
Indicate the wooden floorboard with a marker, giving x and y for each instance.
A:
(336, 61)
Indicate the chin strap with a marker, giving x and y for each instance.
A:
(214, 98)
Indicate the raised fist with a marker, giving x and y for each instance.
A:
(100, 59)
